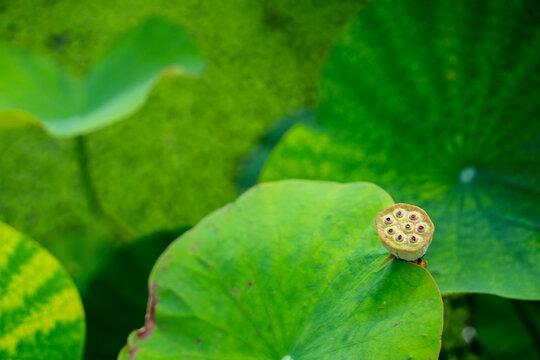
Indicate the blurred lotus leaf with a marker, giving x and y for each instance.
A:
(114, 88)
(506, 329)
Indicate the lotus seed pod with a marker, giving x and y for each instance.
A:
(405, 231)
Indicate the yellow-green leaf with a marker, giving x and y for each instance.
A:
(41, 315)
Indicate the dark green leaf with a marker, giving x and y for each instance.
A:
(436, 101)
(115, 298)
(505, 329)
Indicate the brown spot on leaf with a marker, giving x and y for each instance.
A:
(198, 341)
(250, 284)
(380, 308)
(150, 320)
(133, 352)
(396, 324)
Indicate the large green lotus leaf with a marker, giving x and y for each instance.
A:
(437, 102)
(41, 315)
(115, 87)
(291, 270)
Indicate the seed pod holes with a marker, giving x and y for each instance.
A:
(405, 231)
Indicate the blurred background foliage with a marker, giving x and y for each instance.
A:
(118, 289)
(176, 160)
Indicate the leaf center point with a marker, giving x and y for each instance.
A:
(467, 175)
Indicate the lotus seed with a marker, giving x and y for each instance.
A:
(399, 238)
(390, 231)
(408, 226)
(413, 217)
(388, 221)
(412, 239)
(421, 228)
(399, 214)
